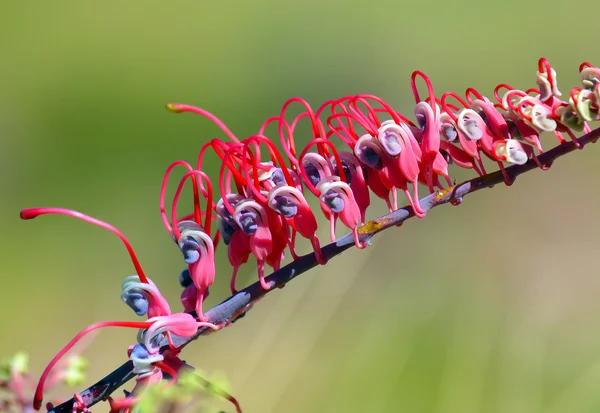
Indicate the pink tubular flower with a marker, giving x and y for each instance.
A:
(428, 117)
(402, 159)
(144, 298)
(335, 195)
(198, 250)
(194, 241)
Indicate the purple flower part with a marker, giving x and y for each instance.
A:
(184, 278)
(391, 143)
(140, 352)
(369, 157)
(227, 218)
(247, 221)
(421, 120)
(278, 178)
(142, 360)
(334, 201)
(227, 229)
(347, 171)
(137, 302)
(449, 132)
(312, 172)
(285, 205)
(189, 249)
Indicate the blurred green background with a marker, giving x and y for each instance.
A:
(490, 307)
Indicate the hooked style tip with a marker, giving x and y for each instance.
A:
(37, 403)
(28, 213)
(173, 107)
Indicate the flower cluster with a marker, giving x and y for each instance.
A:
(359, 147)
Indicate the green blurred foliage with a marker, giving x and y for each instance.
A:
(489, 307)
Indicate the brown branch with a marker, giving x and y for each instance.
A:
(237, 305)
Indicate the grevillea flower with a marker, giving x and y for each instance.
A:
(265, 193)
(357, 144)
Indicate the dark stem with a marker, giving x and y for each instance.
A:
(237, 305)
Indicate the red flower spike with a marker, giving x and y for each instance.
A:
(31, 213)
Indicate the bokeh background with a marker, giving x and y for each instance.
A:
(489, 307)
